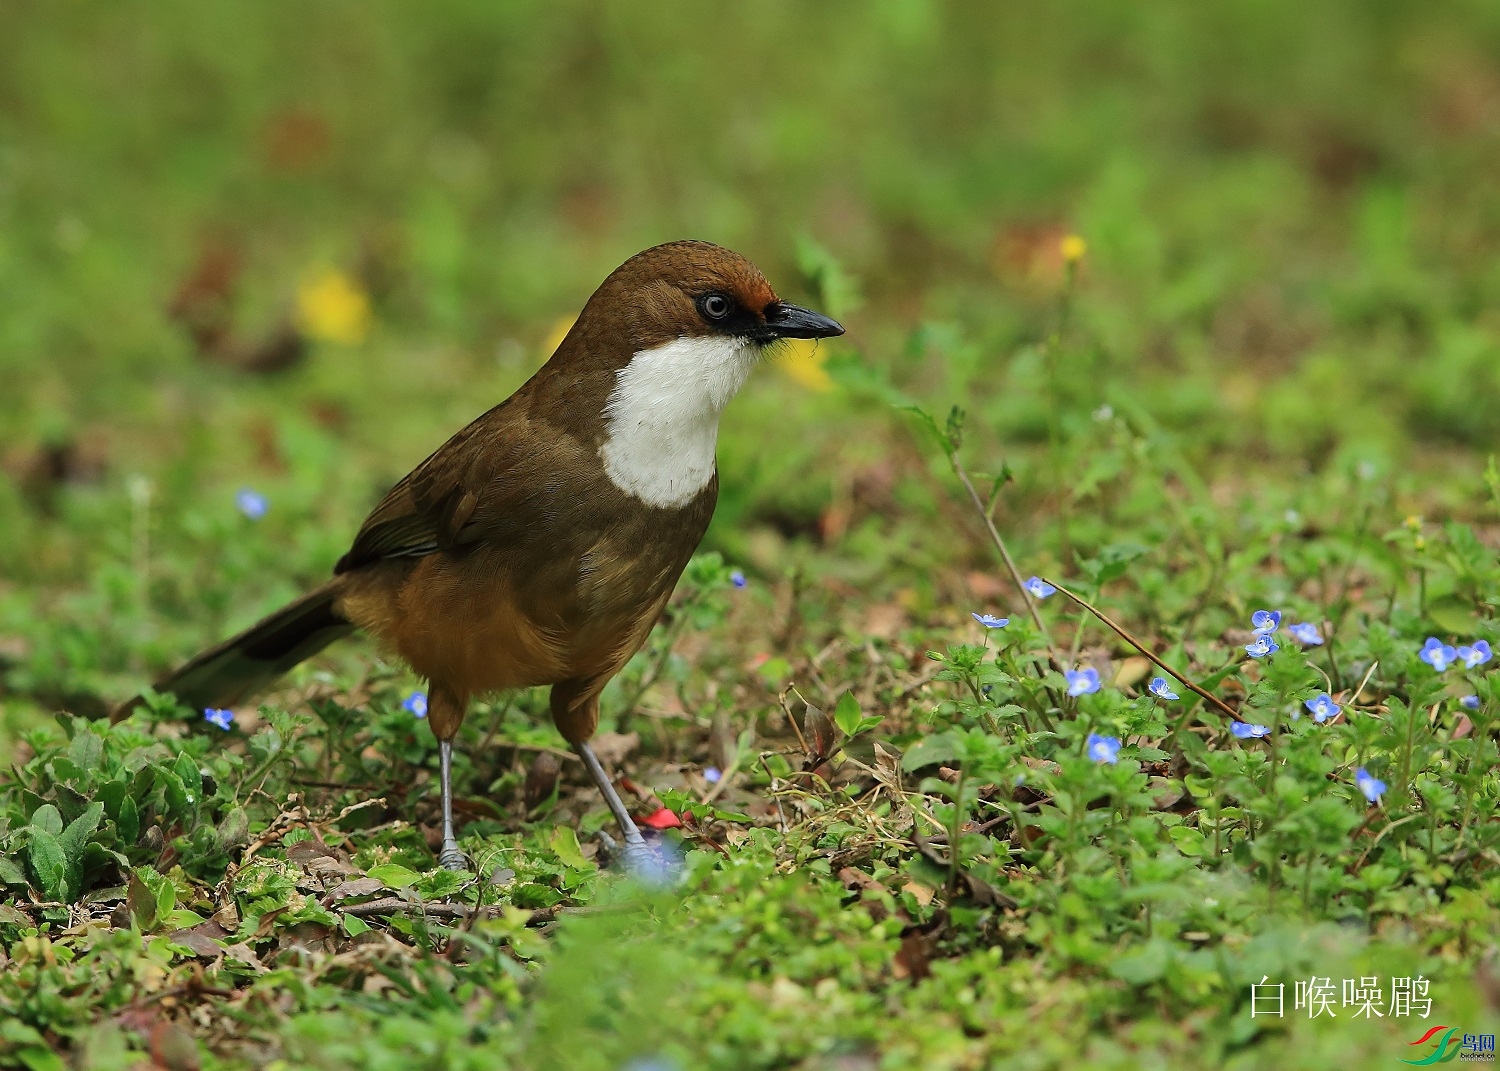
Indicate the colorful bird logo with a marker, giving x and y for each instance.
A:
(1440, 1055)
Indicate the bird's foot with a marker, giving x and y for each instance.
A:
(655, 862)
(451, 858)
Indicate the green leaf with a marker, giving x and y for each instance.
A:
(1188, 840)
(10, 873)
(46, 818)
(86, 751)
(177, 793)
(393, 875)
(113, 795)
(354, 925)
(940, 747)
(129, 823)
(38, 1058)
(1452, 614)
(925, 419)
(683, 803)
(78, 833)
(846, 715)
(440, 883)
(49, 864)
(192, 778)
(1145, 965)
(141, 901)
(564, 842)
(180, 918)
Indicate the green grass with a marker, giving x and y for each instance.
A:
(1273, 381)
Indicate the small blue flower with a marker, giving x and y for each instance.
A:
(1372, 787)
(990, 620)
(1038, 588)
(1265, 622)
(1104, 748)
(1470, 701)
(1246, 731)
(222, 718)
(416, 703)
(1323, 707)
(1159, 688)
(1475, 656)
(1082, 681)
(1262, 646)
(712, 775)
(252, 504)
(1306, 634)
(1437, 654)
(737, 578)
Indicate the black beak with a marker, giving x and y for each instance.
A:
(793, 321)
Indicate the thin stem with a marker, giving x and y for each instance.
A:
(956, 831)
(1202, 693)
(1010, 564)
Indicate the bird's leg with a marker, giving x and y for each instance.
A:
(575, 709)
(639, 858)
(445, 714)
(450, 858)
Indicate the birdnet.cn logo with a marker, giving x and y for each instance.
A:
(1442, 1044)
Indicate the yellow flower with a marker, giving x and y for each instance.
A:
(332, 307)
(1072, 248)
(1414, 522)
(803, 359)
(555, 337)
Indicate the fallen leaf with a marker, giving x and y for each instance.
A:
(662, 818)
(348, 890)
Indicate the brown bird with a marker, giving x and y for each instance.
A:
(540, 544)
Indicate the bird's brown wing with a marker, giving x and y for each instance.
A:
(432, 508)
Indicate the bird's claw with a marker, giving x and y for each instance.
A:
(451, 858)
(650, 862)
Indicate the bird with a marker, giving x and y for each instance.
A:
(540, 544)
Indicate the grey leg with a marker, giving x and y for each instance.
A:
(450, 858)
(639, 858)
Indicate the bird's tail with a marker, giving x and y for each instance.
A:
(245, 664)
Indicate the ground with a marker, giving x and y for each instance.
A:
(1197, 307)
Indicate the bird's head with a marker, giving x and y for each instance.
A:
(707, 299)
(655, 356)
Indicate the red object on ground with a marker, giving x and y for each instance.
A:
(663, 819)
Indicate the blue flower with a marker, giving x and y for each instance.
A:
(1437, 654)
(252, 504)
(1470, 701)
(990, 620)
(1323, 707)
(222, 718)
(1159, 688)
(1104, 748)
(1372, 787)
(1038, 588)
(1246, 731)
(1265, 622)
(737, 578)
(1306, 634)
(1262, 646)
(1475, 656)
(1082, 681)
(416, 703)
(712, 775)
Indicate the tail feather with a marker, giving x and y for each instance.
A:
(245, 664)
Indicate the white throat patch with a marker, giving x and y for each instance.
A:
(662, 417)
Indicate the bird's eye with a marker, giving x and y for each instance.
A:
(715, 306)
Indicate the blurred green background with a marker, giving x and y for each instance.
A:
(294, 246)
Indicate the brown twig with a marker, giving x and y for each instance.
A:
(1202, 693)
(1010, 564)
